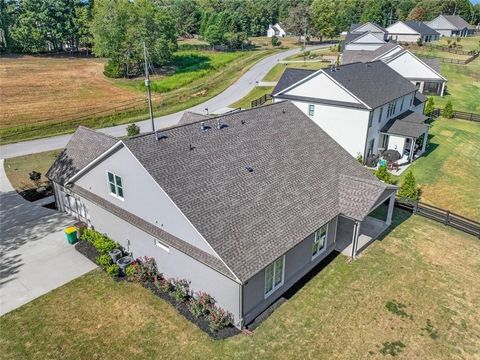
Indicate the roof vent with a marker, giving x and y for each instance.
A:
(203, 126)
(283, 111)
(243, 122)
(220, 126)
(249, 169)
(191, 147)
(159, 135)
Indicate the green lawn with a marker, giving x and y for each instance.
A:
(435, 53)
(416, 291)
(449, 174)
(256, 93)
(468, 43)
(316, 53)
(276, 72)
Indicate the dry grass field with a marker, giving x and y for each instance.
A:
(51, 89)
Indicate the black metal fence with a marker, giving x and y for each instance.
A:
(261, 100)
(459, 115)
(440, 215)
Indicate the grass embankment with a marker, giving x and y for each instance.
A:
(18, 168)
(471, 43)
(430, 52)
(450, 173)
(315, 54)
(215, 73)
(415, 292)
(276, 72)
(245, 103)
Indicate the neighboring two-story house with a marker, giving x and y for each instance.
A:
(362, 41)
(424, 73)
(412, 31)
(242, 205)
(373, 28)
(366, 107)
(451, 25)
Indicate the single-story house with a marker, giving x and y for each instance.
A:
(241, 205)
(451, 25)
(275, 30)
(412, 31)
(373, 28)
(362, 41)
(423, 72)
(353, 103)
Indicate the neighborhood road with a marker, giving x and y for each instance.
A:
(235, 92)
(34, 255)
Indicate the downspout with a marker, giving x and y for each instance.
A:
(366, 137)
(240, 305)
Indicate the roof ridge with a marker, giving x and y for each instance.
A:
(97, 132)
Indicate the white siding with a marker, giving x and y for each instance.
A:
(401, 32)
(322, 87)
(346, 126)
(142, 196)
(360, 46)
(396, 143)
(411, 67)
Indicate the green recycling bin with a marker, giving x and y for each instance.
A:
(71, 234)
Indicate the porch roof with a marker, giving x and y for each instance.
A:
(408, 124)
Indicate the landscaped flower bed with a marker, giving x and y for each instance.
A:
(198, 307)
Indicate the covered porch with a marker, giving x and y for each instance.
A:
(406, 134)
(354, 236)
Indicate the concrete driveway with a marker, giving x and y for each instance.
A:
(34, 255)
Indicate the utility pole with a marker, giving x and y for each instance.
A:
(147, 84)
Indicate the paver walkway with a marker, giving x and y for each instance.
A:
(34, 255)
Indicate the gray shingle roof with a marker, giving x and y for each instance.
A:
(356, 26)
(291, 76)
(155, 231)
(84, 147)
(352, 36)
(434, 63)
(351, 56)
(375, 83)
(409, 124)
(421, 28)
(250, 218)
(458, 22)
(191, 117)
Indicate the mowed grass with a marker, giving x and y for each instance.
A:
(416, 291)
(18, 168)
(41, 89)
(449, 174)
(435, 53)
(277, 71)
(245, 103)
(468, 43)
(316, 53)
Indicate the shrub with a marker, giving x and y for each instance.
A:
(430, 107)
(219, 318)
(409, 188)
(360, 158)
(165, 285)
(104, 260)
(448, 110)
(383, 174)
(201, 304)
(131, 270)
(275, 41)
(181, 289)
(113, 270)
(133, 129)
(113, 69)
(146, 270)
(35, 176)
(100, 241)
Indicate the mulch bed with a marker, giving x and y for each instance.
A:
(34, 194)
(87, 250)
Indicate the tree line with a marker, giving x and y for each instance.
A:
(116, 29)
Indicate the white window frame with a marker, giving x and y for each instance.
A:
(380, 115)
(162, 245)
(315, 241)
(370, 118)
(115, 195)
(401, 105)
(280, 284)
(311, 109)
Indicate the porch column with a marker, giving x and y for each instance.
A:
(443, 89)
(425, 140)
(356, 233)
(412, 148)
(391, 202)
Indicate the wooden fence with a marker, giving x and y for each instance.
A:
(261, 100)
(450, 49)
(443, 216)
(459, 115)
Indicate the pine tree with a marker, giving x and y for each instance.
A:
(409, 187)
(383, 174)
(448, 110)
(430, 107)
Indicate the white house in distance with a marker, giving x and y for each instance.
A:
(451, 25)
(366, 107)
(411, 31)
(362, 41)
(423, 73)
(373, 28)
(275, 30)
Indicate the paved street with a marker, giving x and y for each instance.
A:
(232, 94)
(34, 255)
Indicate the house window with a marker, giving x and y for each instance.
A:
(391, 108)
(370, 119)
(274, 275)
(162, 246)
(115, 184)
(319, 242)
(401, 105)
(311, 110)
(411, 100)
(380, 115)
